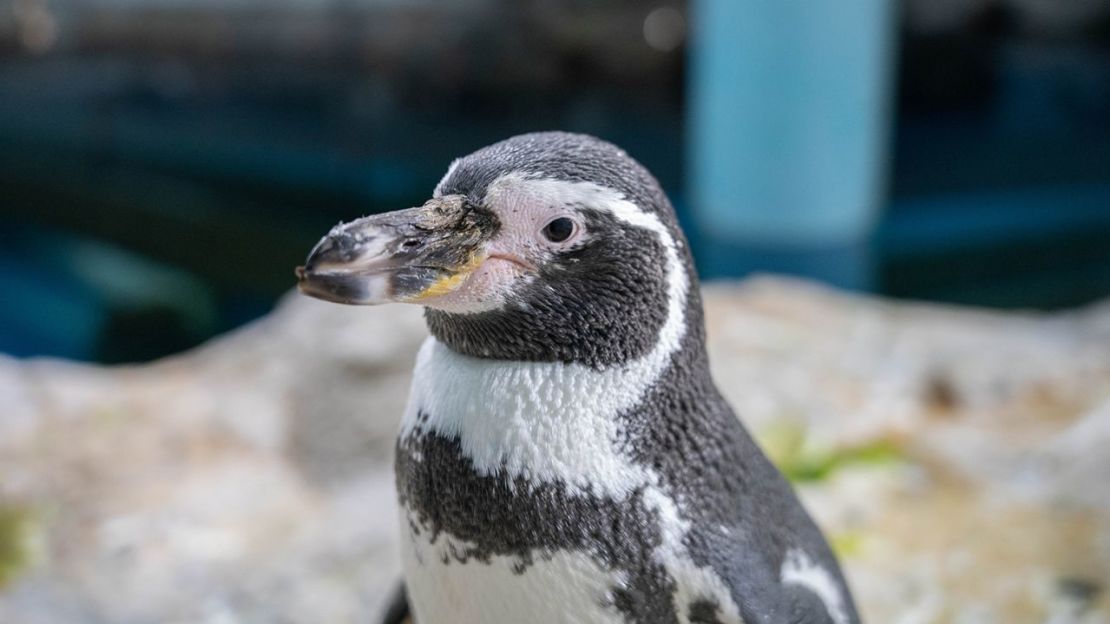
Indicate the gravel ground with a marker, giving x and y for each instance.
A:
(956, 458)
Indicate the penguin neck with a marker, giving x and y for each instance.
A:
(514, 335)
(547, 422)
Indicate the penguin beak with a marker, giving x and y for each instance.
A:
(402, 256)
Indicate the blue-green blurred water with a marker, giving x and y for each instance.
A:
(156, 196)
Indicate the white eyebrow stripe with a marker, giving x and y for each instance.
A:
(438, 192)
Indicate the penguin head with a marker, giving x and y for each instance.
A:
(544, 247)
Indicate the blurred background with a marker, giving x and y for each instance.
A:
(165, 163)
(929, 180)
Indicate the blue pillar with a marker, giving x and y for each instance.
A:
(790, 110)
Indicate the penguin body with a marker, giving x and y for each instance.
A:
(565, 455)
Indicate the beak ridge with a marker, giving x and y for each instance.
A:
(396, 256)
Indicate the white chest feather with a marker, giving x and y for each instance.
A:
(544, 422)
(550, 423)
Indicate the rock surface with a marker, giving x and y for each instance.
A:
(958, 460)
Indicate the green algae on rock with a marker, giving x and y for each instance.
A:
(14, 553)
(800, 461)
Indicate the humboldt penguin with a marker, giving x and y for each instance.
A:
(565, 455)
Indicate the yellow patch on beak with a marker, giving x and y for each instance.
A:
(445, 285)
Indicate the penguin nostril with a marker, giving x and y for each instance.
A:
(409, 244)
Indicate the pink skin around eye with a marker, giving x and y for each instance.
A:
(512, 256)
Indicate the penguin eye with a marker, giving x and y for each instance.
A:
(558, 230)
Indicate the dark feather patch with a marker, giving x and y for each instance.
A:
(514, 517)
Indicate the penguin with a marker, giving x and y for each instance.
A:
(565, 456)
